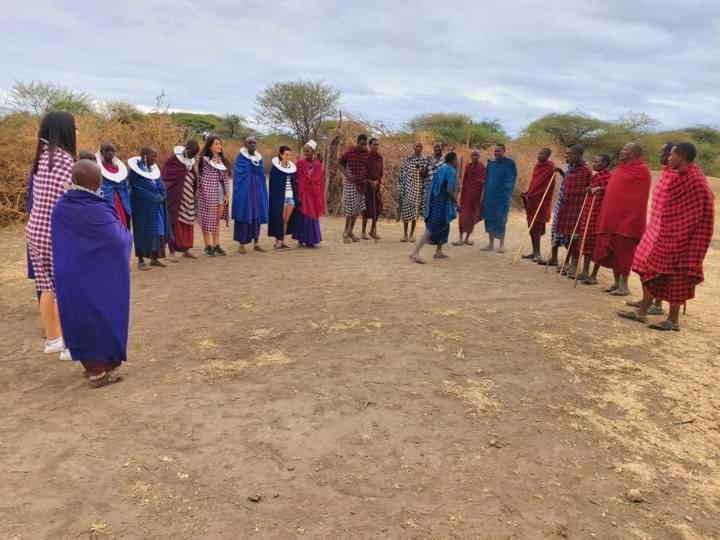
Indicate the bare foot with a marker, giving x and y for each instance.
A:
(459, 243)
(469, 243)
(500, 250)
(417, 259)
(440, 255)
(258, 247)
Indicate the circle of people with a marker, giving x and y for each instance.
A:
(86, 212)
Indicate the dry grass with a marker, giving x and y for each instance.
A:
(18, 139)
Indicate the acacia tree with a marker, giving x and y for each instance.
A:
(299, 106)
(460, 128)
(232, 124)
(568, 128)
(38, 97)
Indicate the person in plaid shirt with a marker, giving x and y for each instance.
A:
(575, 183)
(54, 157)
(669, 258)
(353, 166)
(596, 191)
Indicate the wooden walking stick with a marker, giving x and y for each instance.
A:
(582, 244)
(572, 237)
(532, 223)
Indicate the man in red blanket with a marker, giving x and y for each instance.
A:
(622, 217)
(542, 184)
(471, 194)
(589, 220)
(669, 259)
(656, 307)
(575, 184)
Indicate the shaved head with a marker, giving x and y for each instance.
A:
(630, 152)
(87, 174)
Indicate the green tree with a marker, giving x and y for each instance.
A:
(233, 126)
(38, 97)
(298, 106)
(198, 124)
(565, 129)
(459, 128)
(704, 134)
(122, 112)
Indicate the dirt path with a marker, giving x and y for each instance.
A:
(361, 395)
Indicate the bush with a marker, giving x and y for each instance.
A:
(18, 139)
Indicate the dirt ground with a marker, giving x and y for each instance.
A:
(361, 395)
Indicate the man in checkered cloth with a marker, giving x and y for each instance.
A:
(413, 171)
(669, 258)
(353, 166)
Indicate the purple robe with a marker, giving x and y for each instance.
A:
(91, 254)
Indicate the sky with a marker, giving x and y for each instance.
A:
(514, 60)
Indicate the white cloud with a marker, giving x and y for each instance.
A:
(514, 60)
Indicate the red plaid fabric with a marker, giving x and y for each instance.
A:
(209, 184)
(599, 180)
(373, 197)
(355, 162)
(48, 187)
(577, 179)
(682, 222)
(671, 288)
(543, 174)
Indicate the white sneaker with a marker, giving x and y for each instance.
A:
(65, 355)
(54, 346)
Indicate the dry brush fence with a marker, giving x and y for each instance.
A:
(18, 135)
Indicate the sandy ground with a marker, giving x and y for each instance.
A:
(361, 395)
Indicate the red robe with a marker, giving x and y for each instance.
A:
(471, 204)
(181, 185)
(543, 174)
(623, 216)
(575, 185)
(311, 188)
(373, 196)
(669, 258)
(600, 181)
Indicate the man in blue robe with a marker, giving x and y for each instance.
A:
(499, 186)
(91, 255)
(250, 196)
(440, 208)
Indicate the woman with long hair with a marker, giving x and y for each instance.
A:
(282, 196)
(213, 194)
(54, 157)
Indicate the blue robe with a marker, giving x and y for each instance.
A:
(250, 194)
(91, 251)
(149, 213)
(499, 186)
(440, 210)
(109, 188)
(278, 179)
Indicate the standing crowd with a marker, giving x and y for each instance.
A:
(85, 214)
